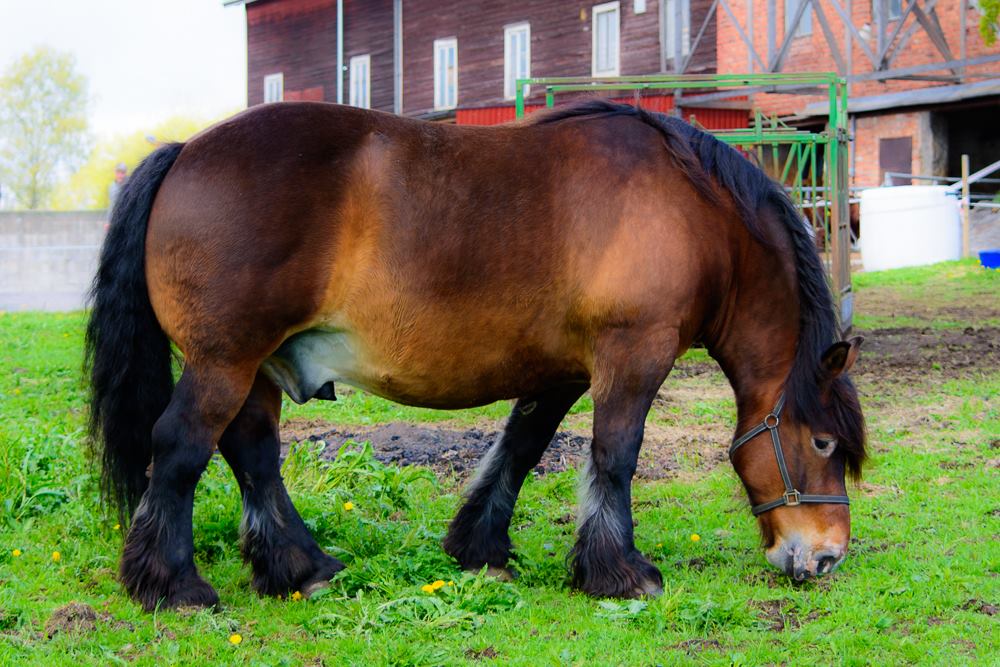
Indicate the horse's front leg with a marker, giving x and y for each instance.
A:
(284, 556)
(478, 535)
(629, 367)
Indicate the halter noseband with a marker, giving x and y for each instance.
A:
(791, 497)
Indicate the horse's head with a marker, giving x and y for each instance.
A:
(794, 465)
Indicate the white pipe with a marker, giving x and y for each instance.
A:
(340, 51)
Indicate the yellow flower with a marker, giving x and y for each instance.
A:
(118, 526)
(348, 506)
(427, 588)
(451, 583)
(659, 545)
(17, 391)
(16, 553)
(296, 596)
(437, 584)
(695, 537)
(56, 556)
(235, 638)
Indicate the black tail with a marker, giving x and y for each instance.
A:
(127, 354)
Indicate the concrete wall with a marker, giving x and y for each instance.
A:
(48, 259)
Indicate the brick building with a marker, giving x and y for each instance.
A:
(924, 87)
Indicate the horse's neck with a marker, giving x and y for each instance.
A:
(756, 345)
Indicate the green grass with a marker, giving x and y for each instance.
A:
(925, 543)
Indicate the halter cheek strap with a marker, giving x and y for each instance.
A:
(791, 497)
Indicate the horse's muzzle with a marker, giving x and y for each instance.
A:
(800, 560)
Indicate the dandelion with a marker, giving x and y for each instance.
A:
(437, 584)
(17, 391)
(235, 638)
(296, 596)
(16, 553)
(118, 526)
(659, 545)
(427, 588)
(695, 537)
(451, 583)
(56, 556)
(348, 506)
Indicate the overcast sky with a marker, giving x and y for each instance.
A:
(146, 60)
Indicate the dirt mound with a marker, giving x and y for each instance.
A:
(74, 618)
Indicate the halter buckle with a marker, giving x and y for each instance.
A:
(772, 424)
(792, 498)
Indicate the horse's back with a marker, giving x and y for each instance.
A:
(413, 259)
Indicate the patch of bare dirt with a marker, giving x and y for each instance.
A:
(906, 354)
(981, 606)
(777, 614)
(696, 646)
(488, 653)
(73, 619)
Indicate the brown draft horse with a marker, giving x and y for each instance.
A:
(301, 244)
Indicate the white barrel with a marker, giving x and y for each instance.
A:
(909, 225)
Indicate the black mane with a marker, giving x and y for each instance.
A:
(705, 159)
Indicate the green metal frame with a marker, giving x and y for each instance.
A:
(824, 205)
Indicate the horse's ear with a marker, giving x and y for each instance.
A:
(840, 357)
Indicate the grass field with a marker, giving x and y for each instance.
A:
(921, 584)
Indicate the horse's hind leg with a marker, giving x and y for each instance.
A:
(276, 542)
(605, 560)
(157, 566)
(478, 534)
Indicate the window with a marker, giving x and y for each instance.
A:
(445, 73)
(894, 7)
(669, 18)
(805, 26)
(606, 30)
(361, 67)
(274, 87)
(516, 58)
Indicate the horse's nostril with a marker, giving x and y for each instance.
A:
(826, 564)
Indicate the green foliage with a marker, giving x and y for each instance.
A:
(924, 557)
(989, 21)
(87, 188)
(43, 124)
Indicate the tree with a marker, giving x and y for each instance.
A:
(989, 22)
(87, 188)
(43, 123)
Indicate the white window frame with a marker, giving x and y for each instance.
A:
(361, 73)
(442, 100)
(274, 82)
(597, 10)
(668, 23)
(510, 73)
(805, 26)
(894, 13)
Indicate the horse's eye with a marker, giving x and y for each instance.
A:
(824, 446)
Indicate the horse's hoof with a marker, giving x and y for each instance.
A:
(498, 573)
(321, 578)
(647, 588)
(194, 593)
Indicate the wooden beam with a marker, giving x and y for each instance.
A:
(701, 33)
(895, 33)
(930, 67)
(775, 64)
(743, 35)
(933, 30)
(831, 39)
(846, 18)
(906, 37)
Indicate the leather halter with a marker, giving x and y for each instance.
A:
(791, 497)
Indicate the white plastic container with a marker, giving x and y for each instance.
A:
(909, 225)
